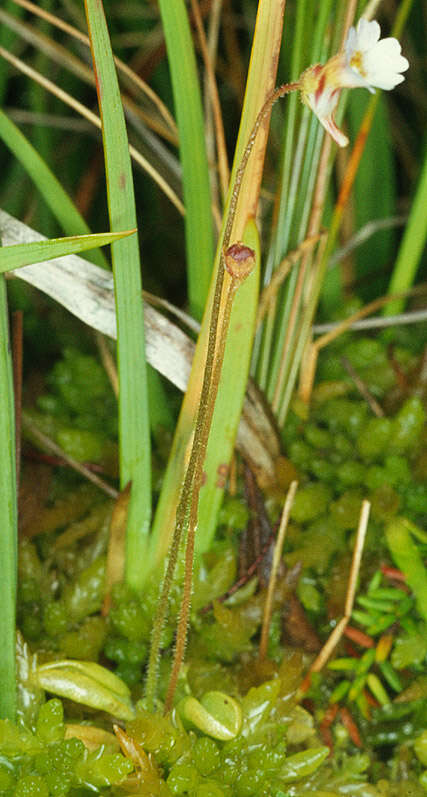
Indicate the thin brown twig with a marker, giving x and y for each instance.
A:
(69, 100)
(269, 293)
(357, 558)
(363, 389)
(201, 437)
(82, 37)
(219, 322)
(268, 606)
(339, 629)
(186, 512)
(108, 362)
(243, 579)
(307, 378)
(49, 444)
(224, 173)
(272, 98)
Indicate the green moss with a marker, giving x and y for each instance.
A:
(310, 502)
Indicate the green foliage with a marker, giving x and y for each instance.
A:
(256, 761)
(134, 425)
(341, 452)
(47, 763)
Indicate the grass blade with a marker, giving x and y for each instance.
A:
(134, 429)
(411, 247)
(8, 520)
(195, 175)
(20, 255)
(369, 203)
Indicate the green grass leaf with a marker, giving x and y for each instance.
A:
(412, 246)
(8, 520)
(374, 192)
(20, 255)
(195, 176)
(134, 429)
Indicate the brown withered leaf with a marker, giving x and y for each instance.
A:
(33, 494)
(297, 629)
(115, 568)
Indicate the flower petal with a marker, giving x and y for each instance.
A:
(352, 79)
(320, 90)
(334, 131)
(350, 43)
(368, 34)
(384, 63)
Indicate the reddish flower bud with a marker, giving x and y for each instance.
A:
(239, 261)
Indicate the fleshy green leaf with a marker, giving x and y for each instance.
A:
(88, 683)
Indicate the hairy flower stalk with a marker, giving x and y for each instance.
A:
(366, 61)
(239, 261)
(234, 261)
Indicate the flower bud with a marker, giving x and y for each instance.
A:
(239, 261)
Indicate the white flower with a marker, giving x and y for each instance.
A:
(370, 62)
(366, 62)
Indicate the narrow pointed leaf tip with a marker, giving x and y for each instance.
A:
(20, 255)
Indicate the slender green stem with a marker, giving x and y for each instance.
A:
(8, 520)
(263, 64)
(276, 94)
